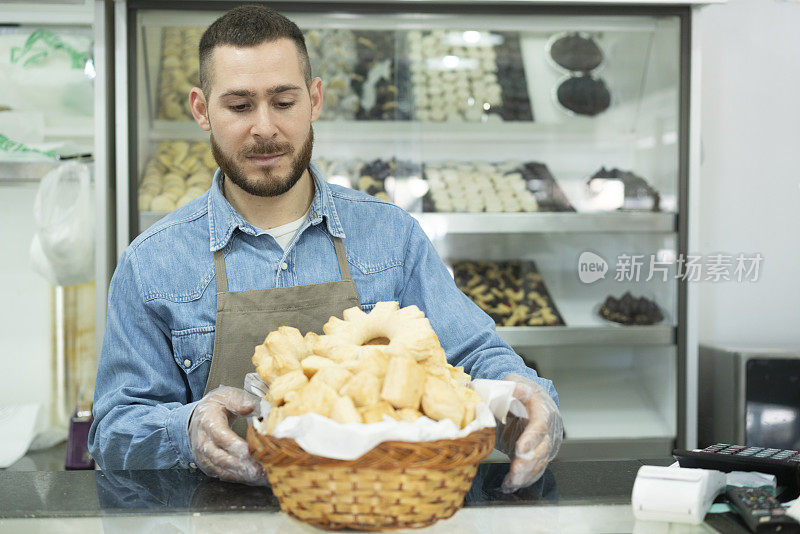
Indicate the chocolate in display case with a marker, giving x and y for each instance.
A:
(630, 310)
(584, 94)
(381, 178)
(544, 187)
(457, 118)
(467, 76)
(575, 51)
(379, 78)
(637, 193)
(455, 186)
(381, 75)
(582, 91)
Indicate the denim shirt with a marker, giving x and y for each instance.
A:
(159, 335)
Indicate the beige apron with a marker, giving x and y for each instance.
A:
(244, 318)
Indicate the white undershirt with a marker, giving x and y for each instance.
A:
(285, 233)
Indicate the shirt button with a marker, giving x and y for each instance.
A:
(187, 363)
(193, 465)
(284, 266)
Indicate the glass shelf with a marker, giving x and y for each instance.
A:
(546, 222)
(533, 336)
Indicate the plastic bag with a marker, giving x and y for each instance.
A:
(47, 72)
(63, 247)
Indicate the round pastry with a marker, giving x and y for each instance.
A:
(175, 192)
(209, 161)
(404, 331)
(576, 52)
(200, 179)
(194, 192)
(173, 180)
(185, 199)
(172, 193)
(584, 95)
(150, 188)
(162, 203)
(144, 201)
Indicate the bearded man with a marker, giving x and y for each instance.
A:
(271, 243)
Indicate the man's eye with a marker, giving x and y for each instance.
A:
(238, 107)
(284, 105)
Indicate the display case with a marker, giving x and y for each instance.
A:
(545, 149)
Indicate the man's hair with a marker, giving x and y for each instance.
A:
(248, 26)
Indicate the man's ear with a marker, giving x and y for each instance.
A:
(199, 107)
(316, 98)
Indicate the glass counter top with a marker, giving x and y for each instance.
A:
(31, 494)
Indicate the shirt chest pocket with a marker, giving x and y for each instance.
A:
(193, 349)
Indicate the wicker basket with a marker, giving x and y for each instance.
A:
(397, 484)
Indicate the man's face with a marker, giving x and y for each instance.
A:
(259, 113)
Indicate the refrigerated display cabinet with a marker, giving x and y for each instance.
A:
(522, 137)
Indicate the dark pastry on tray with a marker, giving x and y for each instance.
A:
(511, 76)
(629, 310)
(540, 182)
(638, 193)
(378, 78)
(576, 52)
(584, 95)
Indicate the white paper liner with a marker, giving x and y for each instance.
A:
(321, 436)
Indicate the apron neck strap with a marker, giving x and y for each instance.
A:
(222, 276)
(219, 270)
(341, 257)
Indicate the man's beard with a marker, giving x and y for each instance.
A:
(268, 184)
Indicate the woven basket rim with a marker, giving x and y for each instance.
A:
(387, 455)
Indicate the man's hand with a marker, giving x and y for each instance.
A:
(217, 450)
(533, 442)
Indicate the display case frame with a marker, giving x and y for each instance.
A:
(680, 334)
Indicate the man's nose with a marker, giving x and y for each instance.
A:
(263, 123)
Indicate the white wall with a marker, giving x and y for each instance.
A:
(750, 174)
(25, 324)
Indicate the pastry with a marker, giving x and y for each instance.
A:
(179, 71)
(584, 95)
(404, 331)
(629, 310)
(374, 370)
(476, 187)
(545, 189)
(576, 52)
(638, 194)
(404, 384)
(512, 293)
(379, 77)
(177, 173)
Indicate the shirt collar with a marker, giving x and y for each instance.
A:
(223, 219)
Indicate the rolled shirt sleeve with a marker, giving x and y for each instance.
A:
(467, 334)
(141, 401)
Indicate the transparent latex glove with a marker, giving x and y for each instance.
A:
(217, 450)
(533, 441)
